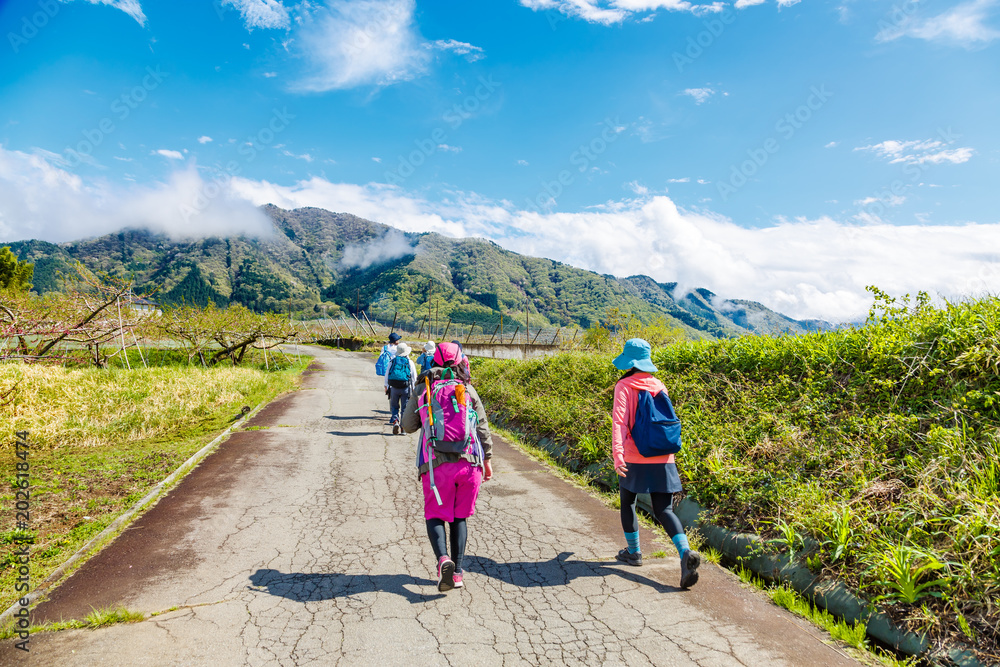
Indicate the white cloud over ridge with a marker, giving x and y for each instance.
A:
(392, 245)
(803, 268)
(40, 200)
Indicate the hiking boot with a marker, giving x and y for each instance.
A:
(395, 429)
(629, 558)
(689, 568)
(446, 574)
(457, 578)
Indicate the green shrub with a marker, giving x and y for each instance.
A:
(882, 434)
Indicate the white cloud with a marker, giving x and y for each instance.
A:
(929, 151)
(362, 42)
(392, 245)
(35, 196)
(268, 14)
(449, 149)
(804, 268)
(204, 140)
(832, 144)
(471, 53)
(740, 4)
(638, 188)
(522, 163)
(304, 156)
(700, 95)
(376, 159)
(169, 154)
(130, 7)
(270, 75)
(964, 25)
(609, 12)
(679, 180)
(890, 200)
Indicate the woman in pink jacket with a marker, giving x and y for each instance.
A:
(655, 475)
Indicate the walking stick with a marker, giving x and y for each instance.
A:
(429, 439)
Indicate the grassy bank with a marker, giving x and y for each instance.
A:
(881, 443)
(101, 438)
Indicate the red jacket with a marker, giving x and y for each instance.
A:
(623, 417)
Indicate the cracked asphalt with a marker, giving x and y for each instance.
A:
(302, 542)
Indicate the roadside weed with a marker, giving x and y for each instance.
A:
(841, 534)
(99, 618)
(902, 567)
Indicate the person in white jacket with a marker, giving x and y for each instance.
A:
(399, 382)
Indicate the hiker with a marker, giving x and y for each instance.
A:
(386, 355)
(426, 359)
(453, 456)
(399, 382)
(465, 359)
(656, 475)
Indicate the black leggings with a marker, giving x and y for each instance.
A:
(661, 510)
(459, 535)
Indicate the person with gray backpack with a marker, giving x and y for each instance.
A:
(454, 454)
(400, 378)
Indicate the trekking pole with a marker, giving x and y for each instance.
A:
(430, 438)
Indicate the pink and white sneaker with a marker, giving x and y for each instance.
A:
(457, 578)
(446, 574)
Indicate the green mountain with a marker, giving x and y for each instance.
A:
(317, 259)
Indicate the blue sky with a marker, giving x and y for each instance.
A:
(786, 151)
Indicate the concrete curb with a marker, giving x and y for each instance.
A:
(830, 595)
(58, 573)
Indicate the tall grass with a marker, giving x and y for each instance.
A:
(874, 441)
(83, 408)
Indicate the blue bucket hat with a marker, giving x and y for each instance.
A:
(394, 337)
(635, 355)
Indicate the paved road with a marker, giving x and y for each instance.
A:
(303, 543)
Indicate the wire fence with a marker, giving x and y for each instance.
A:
(365, 326)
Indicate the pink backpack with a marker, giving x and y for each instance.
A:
(448, 424)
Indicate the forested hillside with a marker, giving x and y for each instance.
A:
(318, 260)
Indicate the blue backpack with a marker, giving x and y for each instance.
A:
(399, 369)
(657, 430)
(382, 363)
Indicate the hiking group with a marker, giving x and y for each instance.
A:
(454, 448)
